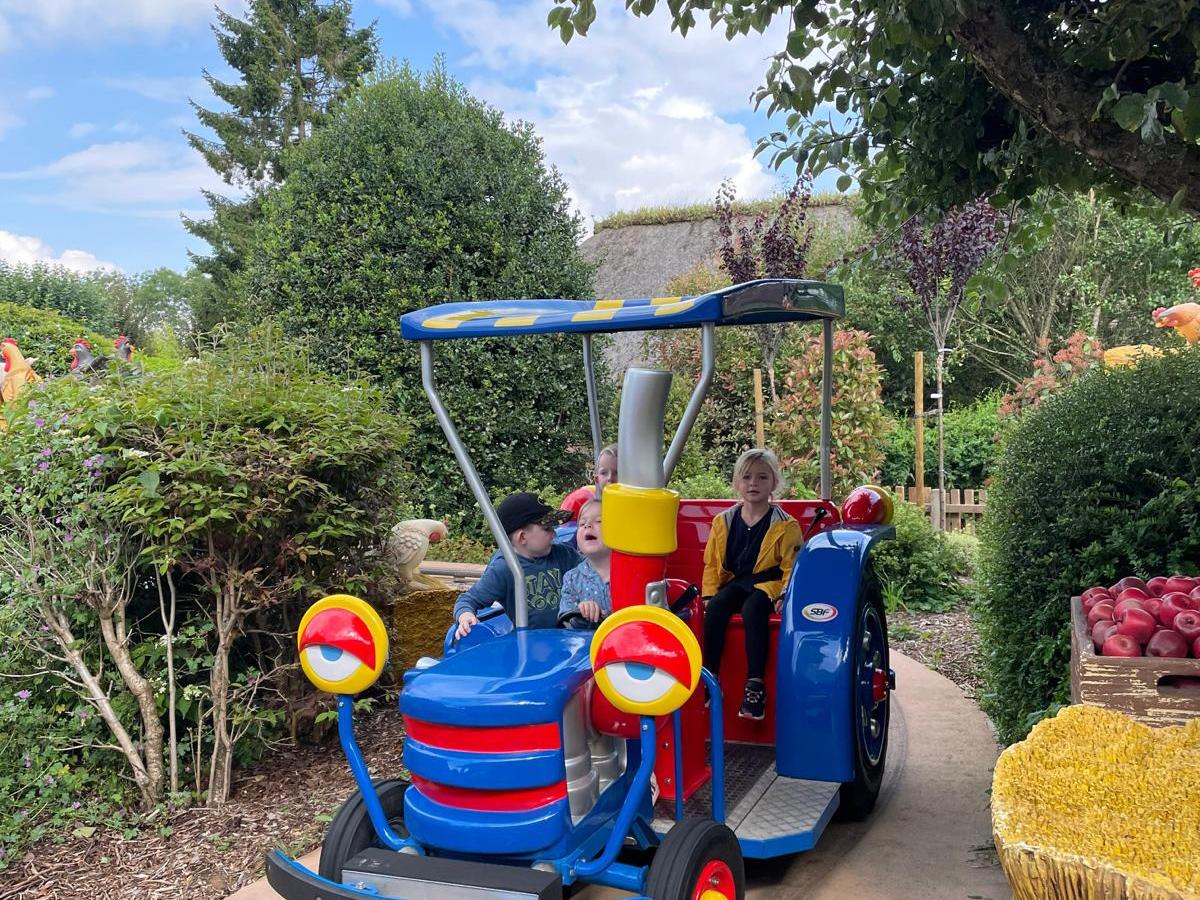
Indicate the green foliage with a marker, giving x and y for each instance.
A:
(922, 568)
(249, 479)
(971, 447)
(700, 280)
(414, 193)
(82, 298)
(46, 337)
(706, 485)
(859, 423)
(698, 212)
(1100, 481)
(297, 60)
(941, 101)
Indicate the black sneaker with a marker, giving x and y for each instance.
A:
(754, 701)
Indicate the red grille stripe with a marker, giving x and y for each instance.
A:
(513, 739)
(491, 801)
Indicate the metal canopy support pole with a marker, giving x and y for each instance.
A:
(589, 376)
(476, 485)
(826, 408)
(708, 338)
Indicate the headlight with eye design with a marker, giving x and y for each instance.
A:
(343, 644)
(646, 661)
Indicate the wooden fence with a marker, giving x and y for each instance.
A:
(964, 508)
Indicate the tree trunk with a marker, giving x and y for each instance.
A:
(941, 366)
(168, 620)
(220, 762)
(61, 629)
(152, 729)
(1052, 97)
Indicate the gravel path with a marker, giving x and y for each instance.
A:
(947, 643)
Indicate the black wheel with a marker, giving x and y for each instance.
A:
(351, 831)
(698, 858)
(870, 706)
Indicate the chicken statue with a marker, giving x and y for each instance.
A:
(405, 550)
(17, 371)
(84, 361)
(1184, 318)
(125, 349)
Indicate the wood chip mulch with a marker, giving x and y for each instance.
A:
(210, 853)
(947, 643)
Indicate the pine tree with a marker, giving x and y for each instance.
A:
(298, 59)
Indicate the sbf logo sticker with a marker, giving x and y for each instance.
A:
(819, 612)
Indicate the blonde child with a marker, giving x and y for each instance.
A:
(585, 588)
(750, 553)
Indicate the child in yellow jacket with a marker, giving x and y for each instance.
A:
(749, 555)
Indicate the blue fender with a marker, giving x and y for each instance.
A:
(816, 654)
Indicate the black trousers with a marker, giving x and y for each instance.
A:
(756, 609)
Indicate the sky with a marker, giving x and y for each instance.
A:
(95, 171)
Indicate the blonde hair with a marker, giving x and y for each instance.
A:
(595, 501)
(610, 450)
(768, 459)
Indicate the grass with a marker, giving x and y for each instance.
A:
(696, 212)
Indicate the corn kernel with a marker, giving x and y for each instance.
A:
(1094, 804)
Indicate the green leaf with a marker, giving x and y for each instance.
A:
(844, 182)
(149, 481)
(1130, 111)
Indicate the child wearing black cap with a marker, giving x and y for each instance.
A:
(530, 525)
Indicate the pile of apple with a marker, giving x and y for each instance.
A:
(1159, 617)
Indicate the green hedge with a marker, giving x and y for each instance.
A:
(46, 337)
(922, 568)
(971, 447)
(1102, 480)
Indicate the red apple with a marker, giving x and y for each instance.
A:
(1100, 612)
(1167, 643)
(1121, 645)
(1179, 583)
(1153, 605)
(1172, 605)
(1103, 591)
(1126, 604)
(1128, 582)
(1196, 648)
(1156, 585)
(1133, 593)
(1138, 624)
(1194, 593)
(1187, 623)
(1102, 631)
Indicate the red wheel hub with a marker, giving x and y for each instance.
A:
(715, 882)
(879, 685)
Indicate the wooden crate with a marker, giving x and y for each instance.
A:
(1152, 690)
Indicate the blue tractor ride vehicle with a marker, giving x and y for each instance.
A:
(534, 753)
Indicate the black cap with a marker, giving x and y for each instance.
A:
(518, 510)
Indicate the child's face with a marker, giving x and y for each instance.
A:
(756, 483)
(606, 470)
(535, 540)
(588, 535)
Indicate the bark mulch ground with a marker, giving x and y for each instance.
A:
(284, 802)
(287, 800)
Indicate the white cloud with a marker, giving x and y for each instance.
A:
(146, 178)
(42, 92)
(90, 19)
(8, 121)
(632, 115)
(165, 90)
(401, 7)
(81, 129)
(20, 249)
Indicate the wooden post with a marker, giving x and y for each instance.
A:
(759, 428)
(936, 506)
(919, 425)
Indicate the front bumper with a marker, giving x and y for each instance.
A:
(384, 873)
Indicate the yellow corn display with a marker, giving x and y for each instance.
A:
(1093, 805)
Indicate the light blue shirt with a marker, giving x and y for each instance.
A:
(581, 584)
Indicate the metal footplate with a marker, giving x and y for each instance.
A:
(383, 873)
(770, 814)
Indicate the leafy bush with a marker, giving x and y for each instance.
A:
(414, 193)
(859, 421)
(240, 485)
(1050, 373)
(79, 297)
(971, 447)
(922, 568)
(46, 336)
(705, 485)
(1100, 480)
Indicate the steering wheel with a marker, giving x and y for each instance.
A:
(573, 618)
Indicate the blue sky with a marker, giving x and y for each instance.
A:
(94, 169)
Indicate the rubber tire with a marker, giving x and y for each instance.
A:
(857, 798)
(351, 831)
(688, 847)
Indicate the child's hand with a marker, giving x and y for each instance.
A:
(465, 620)
(590, 610)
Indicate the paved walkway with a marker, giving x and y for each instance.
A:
(930, 835)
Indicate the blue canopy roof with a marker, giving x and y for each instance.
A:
(758, 302)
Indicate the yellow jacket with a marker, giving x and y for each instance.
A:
(779, 546)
